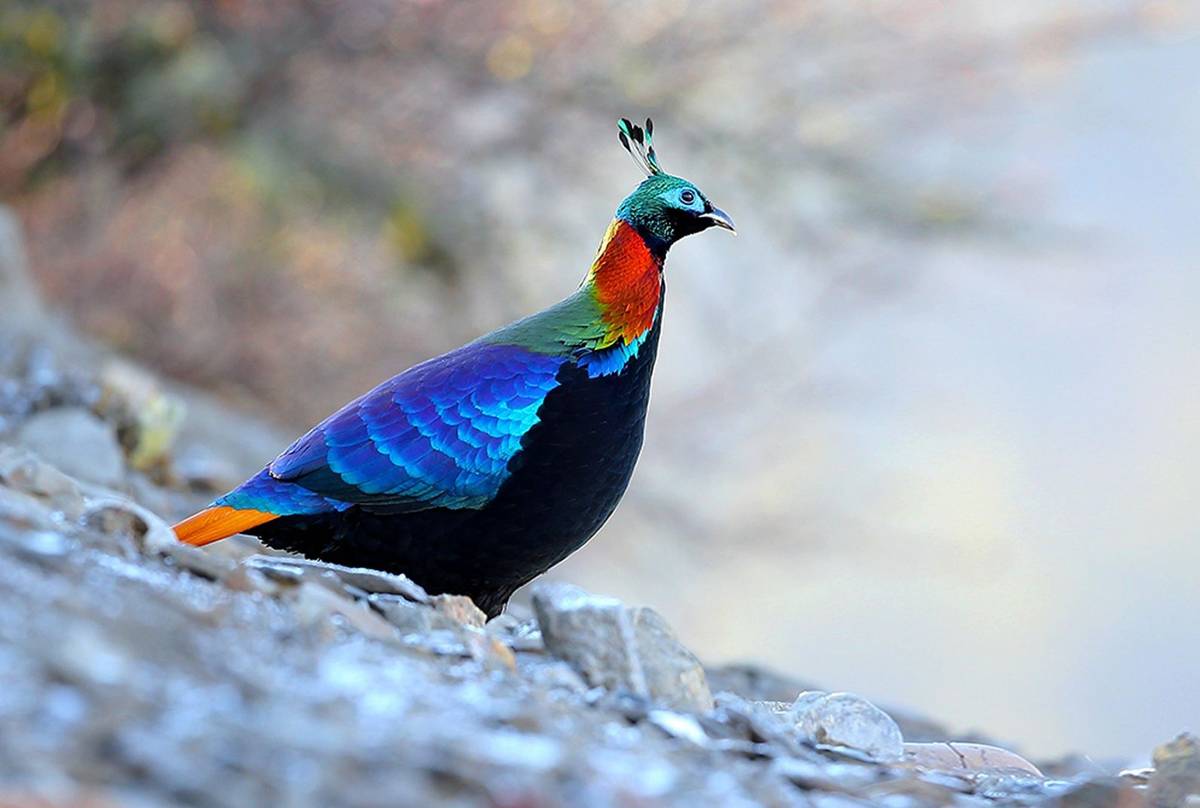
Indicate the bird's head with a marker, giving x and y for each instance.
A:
(664, 208)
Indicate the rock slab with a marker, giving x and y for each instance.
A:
(952, 756)
(620, 648)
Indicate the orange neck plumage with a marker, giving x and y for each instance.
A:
(626, 280)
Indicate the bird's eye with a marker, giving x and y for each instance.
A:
(687, 197)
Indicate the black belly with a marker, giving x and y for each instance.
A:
(571, 472)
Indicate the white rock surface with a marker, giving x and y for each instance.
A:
(844, 719)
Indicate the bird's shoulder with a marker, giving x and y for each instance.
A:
(564, 329)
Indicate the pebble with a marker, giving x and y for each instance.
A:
(844, 719)
(198, 562)
(150, 533)
(460, 609)
(678, 725)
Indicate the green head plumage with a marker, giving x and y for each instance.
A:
(664, 208)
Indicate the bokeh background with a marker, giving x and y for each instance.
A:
(926, 431)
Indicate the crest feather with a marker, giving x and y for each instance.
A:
(642, 147)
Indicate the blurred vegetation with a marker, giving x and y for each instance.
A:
(124, 85)
(287, 201)
(257, 196)
(151, 141)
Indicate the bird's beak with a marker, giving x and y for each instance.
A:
(720, 218)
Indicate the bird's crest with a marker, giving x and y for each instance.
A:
(639, 143)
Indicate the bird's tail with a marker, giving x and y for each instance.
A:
(255, 502)
(219, 522)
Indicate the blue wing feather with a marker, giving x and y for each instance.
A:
(438, 435)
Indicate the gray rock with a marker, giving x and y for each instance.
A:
(757, 721)
(337, 576)
(460, 609)
(408, 617)
(843, 719)
(551, 674)
(620, 648)
(446, 613)
(238, 548)
(76, 441)
(317, 606)
(207, 565)
(805, 700)
(149, 531)
(24, 471)
(25, 511)
(517, 634)
(1176, 778)
(382, 606)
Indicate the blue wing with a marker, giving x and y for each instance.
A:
(440, 434)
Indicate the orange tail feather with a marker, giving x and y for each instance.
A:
(219, 522)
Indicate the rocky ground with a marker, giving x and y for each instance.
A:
(135, 671)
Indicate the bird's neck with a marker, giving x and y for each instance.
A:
(626, 282)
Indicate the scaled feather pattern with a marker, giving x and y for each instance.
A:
(438, 435)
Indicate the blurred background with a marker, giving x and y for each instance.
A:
(926, 431)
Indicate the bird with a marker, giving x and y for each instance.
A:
(476, 471)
